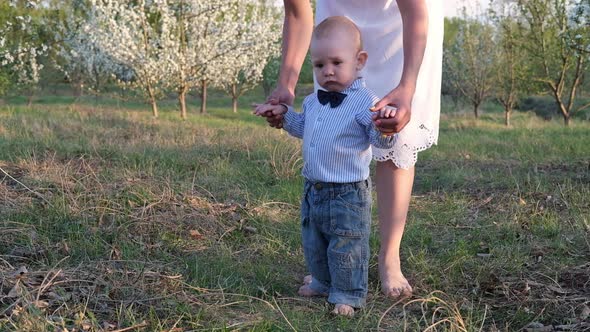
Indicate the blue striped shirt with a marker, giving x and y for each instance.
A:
(337, 141)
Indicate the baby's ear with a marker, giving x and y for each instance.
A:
(361, 60)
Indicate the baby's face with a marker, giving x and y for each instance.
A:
(335, 61)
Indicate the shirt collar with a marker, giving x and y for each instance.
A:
(359, 83)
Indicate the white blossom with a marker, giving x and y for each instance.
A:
(259, 41)
(21, 56)
(81, 58)
(214, 41)
(124, 32)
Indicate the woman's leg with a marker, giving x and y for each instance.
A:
(394, 190)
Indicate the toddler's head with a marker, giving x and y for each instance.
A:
(337, 53)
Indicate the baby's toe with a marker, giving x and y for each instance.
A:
(343, 310)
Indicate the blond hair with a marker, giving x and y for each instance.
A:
(334, 24)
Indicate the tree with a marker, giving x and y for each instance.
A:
(4, 69)
(469, 62)
(260, 42)
(79, 56)
(213, 37)
(22, 45)
(202, 42)
(556, 52)
(270, 74)
(510, 73)
(452, 26)
(580, 38)
(136, 36)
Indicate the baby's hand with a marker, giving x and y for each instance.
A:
(384, 113)
(268, 110)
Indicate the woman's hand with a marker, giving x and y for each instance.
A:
(401, 99)
(414, 15)
(280, 95)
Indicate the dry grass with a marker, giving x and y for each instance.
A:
(131, 204)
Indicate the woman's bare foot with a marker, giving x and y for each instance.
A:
(343, 309)
(393, 282)
(306, 291)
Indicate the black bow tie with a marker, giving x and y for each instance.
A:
(335, 98)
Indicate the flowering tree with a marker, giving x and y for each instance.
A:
(260, 43)
(79, 55)
(135, 36)
(212, 36)
(21, 44)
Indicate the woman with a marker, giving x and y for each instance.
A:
(404, 41)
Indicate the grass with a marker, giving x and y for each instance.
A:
(111, 220)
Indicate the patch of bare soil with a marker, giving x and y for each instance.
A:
(194, 218)
(566, 298)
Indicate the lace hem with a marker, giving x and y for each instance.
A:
(404, 153)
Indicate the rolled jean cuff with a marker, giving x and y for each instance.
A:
(355, 300)
(318, 287)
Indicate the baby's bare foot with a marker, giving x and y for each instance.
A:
(307, 279)
(343, 309)
(306, 291)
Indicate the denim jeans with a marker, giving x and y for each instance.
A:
(336, 223)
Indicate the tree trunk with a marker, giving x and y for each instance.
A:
(182, 101)
(154, 108)
(476, 110)
(30, 99)
(152, 96)
(507, 112)
(564, 112)
(203, 96)
(562, 108)
(78, 89)
(234, 98)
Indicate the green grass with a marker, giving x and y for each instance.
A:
(122, 221)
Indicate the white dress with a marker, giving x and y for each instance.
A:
(381, 28)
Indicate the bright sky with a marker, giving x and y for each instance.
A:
(452, 7)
